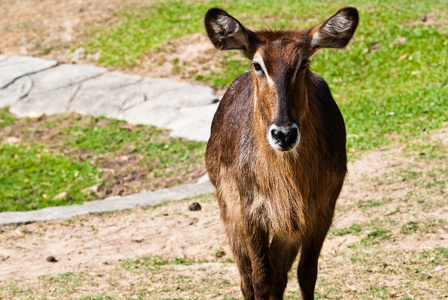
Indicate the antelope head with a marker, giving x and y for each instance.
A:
(279, 72)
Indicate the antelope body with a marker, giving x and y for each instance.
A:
(276, 153)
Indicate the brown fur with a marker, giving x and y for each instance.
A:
(273, 203)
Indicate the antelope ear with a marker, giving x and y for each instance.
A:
(335, 32)
(227, 33)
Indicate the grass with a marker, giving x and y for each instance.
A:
(57, 158)
(388, 84)
(33, 175)
(390, 88)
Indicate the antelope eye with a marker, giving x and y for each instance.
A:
(257, 67)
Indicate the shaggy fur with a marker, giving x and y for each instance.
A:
(274, 203)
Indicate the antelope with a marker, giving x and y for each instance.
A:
(276, 153)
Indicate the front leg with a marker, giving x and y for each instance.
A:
(284, 252)
(307, 269)
(258, 248)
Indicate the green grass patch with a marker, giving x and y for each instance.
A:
(52, 160)
(102, 135)
(409, 227)
(353, 229)
(390, 83)
(6, 119)
(33, 175)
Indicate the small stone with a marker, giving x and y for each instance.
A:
(194, 206)
(91, 189)
(78, 54)
(60, 196)
(11, 140)
(51, 259)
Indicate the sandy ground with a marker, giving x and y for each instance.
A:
(101, 241)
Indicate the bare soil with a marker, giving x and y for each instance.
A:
(98, 242)
(47, 27)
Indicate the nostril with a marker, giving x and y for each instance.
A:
(291, 136)
(278, 137)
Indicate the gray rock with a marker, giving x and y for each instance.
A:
(17, 66)
(150, 113)
(175, 94)
(15, 91)
(108, 103)
(188, 96)
(64, 75)
(110, 80)
(133, 101)
(154, 87)
(193, 122)
(109, 204)
(49, 103)
(189, 122)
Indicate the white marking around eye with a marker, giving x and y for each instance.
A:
(258, 59)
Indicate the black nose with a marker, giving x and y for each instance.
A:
(285, 140)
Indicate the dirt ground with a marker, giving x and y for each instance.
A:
(97, 242)
(46, 27)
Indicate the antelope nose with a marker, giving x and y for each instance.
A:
(284, 138)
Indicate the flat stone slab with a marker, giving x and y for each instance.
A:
(110, 80)
(15, 67)
(15, 91)
(64, 75)
(49, 103)
(175, 94)
(193, 122)
(184, 108)
(102, 102)
(106, 205)
(151, 113)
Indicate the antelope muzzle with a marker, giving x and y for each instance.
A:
(284, 138)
